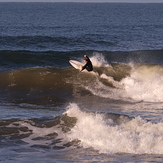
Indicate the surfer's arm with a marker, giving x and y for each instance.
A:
(83, 67)
(86, 57)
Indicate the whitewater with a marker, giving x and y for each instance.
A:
(126, 135)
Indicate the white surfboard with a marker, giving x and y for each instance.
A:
(76, 64)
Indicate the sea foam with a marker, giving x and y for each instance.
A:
(145, 83)
(142, 83)
(135, 136)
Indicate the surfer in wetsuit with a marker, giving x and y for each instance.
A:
(88, 64)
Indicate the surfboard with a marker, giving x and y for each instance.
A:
(76, 64)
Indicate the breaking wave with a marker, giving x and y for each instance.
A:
(59, 84)
(120, 134)
(104, 132)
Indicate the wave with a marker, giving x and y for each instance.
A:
(51, 43)
(36, 85)
(104, 132)
(145, 83)
(108, 136)
(37, 41)
(115, 81)
(131, 82)
(26, 59)
(16, 59)
(139, 83)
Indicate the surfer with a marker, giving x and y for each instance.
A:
(88, 64)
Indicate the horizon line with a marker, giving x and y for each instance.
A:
(77, 2)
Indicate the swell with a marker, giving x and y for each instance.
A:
(27, 59)
(31, 41)
(16, 59)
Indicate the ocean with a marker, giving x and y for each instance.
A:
(51, 112)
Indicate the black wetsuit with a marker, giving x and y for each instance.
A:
(88, 66)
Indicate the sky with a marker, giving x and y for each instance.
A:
(100, 1)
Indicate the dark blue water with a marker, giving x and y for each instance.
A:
(77, 26)
(52, 113)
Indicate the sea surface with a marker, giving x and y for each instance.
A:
(51, 112)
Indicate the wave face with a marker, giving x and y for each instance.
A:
(128, 81)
